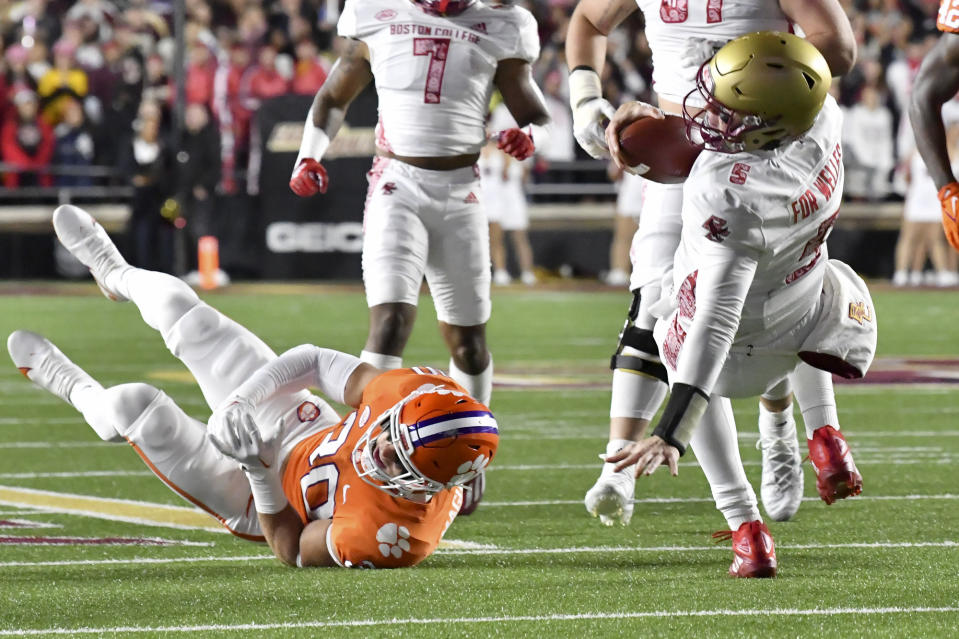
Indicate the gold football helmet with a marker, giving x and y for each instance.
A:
(761, 90)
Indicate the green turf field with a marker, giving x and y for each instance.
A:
(530, 562)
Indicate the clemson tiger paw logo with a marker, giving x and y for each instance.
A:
(394, 540)
(469, 470)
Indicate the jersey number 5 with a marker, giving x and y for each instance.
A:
(437, 49)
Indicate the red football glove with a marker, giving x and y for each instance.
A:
(309, 178)
(516, 143)
(949, 199)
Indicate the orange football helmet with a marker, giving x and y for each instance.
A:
(442, 436)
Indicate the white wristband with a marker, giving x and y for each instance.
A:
(584, 84)
(314, 143)
(539, 133)
(268, 496)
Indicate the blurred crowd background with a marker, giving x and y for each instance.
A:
(87, 101)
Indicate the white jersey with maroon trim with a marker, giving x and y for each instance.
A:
(752, 254)
(675, 28)
(434, 74)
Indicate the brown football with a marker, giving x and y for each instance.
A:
(658, 150)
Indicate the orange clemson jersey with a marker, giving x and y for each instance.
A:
(948, 18)
(370, 529)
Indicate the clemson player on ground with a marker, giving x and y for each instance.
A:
(682, 35)
(936, 83)
(753, 294)
(375, 489)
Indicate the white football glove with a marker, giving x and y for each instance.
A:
(591, 112)
(234, 433)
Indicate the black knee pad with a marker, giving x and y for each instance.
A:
(640, 339)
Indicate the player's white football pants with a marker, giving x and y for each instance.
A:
(427, 223)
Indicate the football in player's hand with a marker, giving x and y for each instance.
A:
(658, 150)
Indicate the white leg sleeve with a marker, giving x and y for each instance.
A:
(815, 396)
(635, 395)
(480, 385)
(220, 353)
(717, 449)
(177, 450)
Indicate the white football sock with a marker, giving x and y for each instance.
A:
(480, 385)
(775, 424)
(91, 403)
(815, 396)
(386, 362)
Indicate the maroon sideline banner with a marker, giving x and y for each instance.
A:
(318, 237)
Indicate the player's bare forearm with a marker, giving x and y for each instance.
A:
(282, 531)
(349, 76)
(514, 79)
(293, 543)
(827, 27)
(935, 84)
(591, 22)
(357, 382)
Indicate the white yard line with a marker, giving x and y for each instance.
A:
(594, 434)
(581, 616)
(926, 457)
(79, 473)
(696, 500)
(449, 547)
(714, 547)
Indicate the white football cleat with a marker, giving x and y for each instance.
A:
(611, 497)
(782, 478)
(45, 365)
(88, 242)
(501, 278)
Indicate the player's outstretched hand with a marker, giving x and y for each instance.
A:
(309, 178)
(949, 199)
(648, 455)
(515, 142)
(234, 433)
(625, 115)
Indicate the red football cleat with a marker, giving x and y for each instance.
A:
(754, 553)
(836, 474)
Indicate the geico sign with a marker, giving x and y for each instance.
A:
(314, 237)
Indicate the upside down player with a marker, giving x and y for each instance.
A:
(435, 64)
(936, 83)
(682, 35)
(377, 489)
(753, 292)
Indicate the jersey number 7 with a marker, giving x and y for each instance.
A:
(437, 49)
